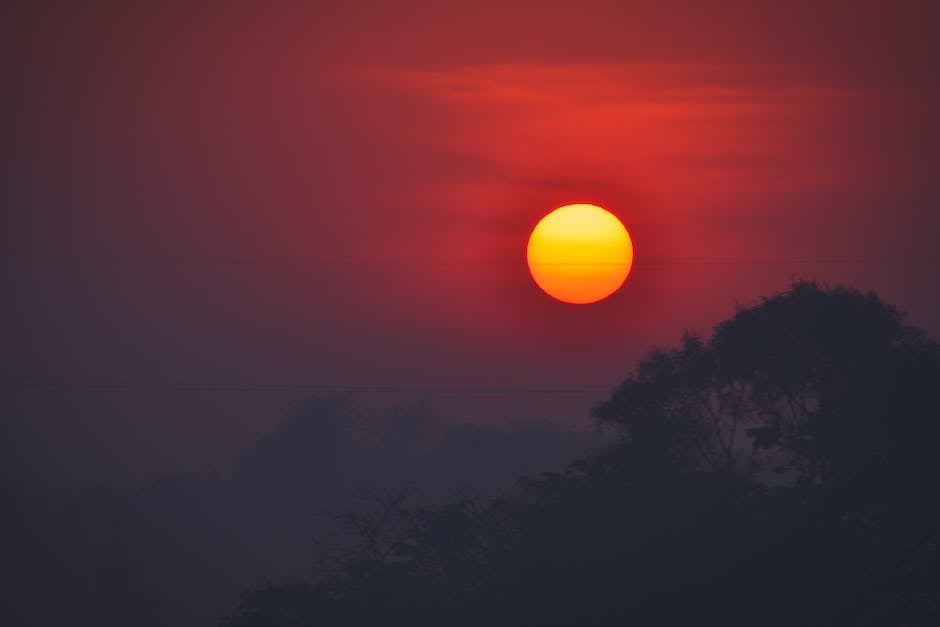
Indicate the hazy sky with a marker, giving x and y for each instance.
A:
(339, 195)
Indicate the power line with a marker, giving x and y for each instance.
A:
(204, 386)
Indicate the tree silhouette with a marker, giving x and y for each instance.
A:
(779, 472)
(179, 549)
(819, 384)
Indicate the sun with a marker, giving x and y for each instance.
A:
(579, 253)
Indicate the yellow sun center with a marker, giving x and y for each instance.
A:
(579, 253)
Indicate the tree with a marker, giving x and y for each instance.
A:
(779, 472)
(815, 384)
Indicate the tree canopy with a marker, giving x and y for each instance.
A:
(781, 471)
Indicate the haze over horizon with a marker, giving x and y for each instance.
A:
(337, 197)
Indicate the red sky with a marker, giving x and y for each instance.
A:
(339, 194)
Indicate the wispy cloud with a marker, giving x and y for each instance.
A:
(673, 127)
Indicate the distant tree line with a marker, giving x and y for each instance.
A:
(783, 471)
(178, 550)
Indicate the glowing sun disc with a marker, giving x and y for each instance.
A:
(579, 253)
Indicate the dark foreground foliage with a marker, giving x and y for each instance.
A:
(782, 472)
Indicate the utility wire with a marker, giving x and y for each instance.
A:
(203, 386)
(197, 386)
